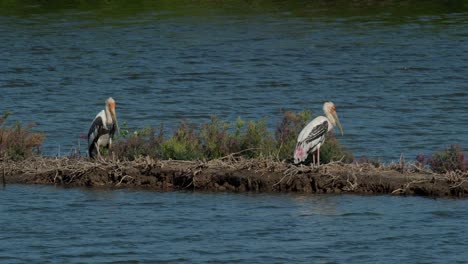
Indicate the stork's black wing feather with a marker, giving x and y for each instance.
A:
(317, 132)
(112, 130)
(95, 131)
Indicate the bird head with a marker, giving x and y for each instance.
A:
(330, 111)
(110, 104)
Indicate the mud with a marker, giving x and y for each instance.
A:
(235, 175)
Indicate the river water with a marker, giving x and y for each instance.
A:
(397, 72)
(44, 223)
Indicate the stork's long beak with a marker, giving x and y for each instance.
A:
(114, 116)
(338, 122)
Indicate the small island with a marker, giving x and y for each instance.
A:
(218, 156)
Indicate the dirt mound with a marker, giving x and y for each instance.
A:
(238, 175)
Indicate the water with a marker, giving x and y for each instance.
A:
(397, 72)
(42, 223)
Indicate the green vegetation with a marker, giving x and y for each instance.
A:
(18, 142)
(287, 132)
(184, 144)
(144, 142)
(216, 139)
(394, 11)
(450, 159)
(332, 150)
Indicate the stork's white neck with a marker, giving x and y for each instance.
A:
(331, 119)
(108, 115)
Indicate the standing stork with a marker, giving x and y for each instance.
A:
(312, 136)
(102, 129)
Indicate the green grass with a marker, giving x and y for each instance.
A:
(217, 138)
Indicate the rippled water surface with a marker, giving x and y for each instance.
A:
(396, 71)
(41, 223)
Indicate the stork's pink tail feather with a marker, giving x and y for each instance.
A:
(299, 154)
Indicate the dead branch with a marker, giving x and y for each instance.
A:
(123, 178)
(406, 187)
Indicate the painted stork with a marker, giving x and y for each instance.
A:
(102, 129)
(313, 135)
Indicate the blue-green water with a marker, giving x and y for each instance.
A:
(49, 224)
(396, 70)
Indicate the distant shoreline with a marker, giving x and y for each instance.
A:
(234, 175)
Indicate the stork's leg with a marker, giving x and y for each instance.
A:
(318, 156)
(98, 150)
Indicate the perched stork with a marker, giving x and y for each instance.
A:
(312, 136)
(102, 129)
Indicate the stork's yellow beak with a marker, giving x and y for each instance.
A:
(114, 117)
(337, 121)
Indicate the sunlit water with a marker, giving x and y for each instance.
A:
(59, 225)
(399, 80)
(397, 75)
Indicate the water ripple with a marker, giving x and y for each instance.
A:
(386, 77)
(126, 226)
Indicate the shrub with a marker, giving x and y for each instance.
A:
(287, 132)
(450, 159)
(332, 150)
(256, 141)
(144, 142)
(216, 139)
(183, 145)
(18, 142)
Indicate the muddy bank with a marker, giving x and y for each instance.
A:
(235, 175)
